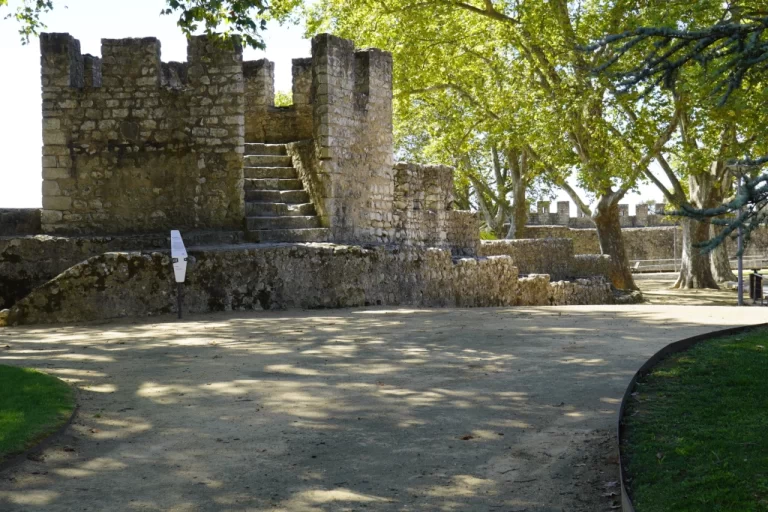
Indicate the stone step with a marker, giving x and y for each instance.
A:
(203, 238)
(289, 235)
(276, 223)
(272, 184)
(277, 196)
(255, 209)
(267, 161)
(270, 172)
(265, 149)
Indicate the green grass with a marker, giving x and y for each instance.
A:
(696, 434)
(32, 405)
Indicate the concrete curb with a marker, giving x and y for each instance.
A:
(672, 348)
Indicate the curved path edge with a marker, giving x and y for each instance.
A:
(19, 457)
(673, 348)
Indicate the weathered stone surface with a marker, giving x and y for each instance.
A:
(645, 217)
(280, 276)
(553, 256)
(132, 144)
(269, 277)
(587, 265)
(29, 261)
(580, 291)
(19, 221)
(534, 290)
(263, 121)
(648, 243)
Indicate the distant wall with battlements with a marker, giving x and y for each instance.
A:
(133, 144)
(645, 216)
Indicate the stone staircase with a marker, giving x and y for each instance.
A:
(277, 208)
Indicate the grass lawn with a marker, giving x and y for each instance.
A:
(32, 405)
(696, 435)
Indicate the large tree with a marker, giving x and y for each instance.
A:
(569, 120)
(728, 56)
(245, 19)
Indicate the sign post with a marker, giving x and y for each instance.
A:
(740, 270)
(179, 260)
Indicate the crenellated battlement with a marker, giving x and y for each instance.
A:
(645, 216)
(131, 63)
(135, 144)
(131, 143)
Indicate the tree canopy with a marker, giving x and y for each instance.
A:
(223, 19)
(725, 59)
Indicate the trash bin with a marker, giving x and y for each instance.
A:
(755, 286)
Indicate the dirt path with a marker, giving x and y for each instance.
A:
(385, 410)
(657, 289)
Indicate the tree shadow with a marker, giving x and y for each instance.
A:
(361, 409)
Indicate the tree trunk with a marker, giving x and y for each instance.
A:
(612, 242)
(519, 208)
(721, 266)
(695, 271)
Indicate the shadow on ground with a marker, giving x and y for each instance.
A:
(372, 409)
(657, 289)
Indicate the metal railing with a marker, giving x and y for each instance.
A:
(673, 265)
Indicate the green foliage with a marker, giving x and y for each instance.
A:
(283, 99)
(223, 19)
(695, 430)
(507, 73)
(486, 234)
(711, 57)
(32, 405)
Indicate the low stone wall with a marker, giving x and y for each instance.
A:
(534, 290)
(584, 240)
(551, 256)
(591, 265)
(29, 261)
(307, 166)
(538, 290)
(280, 276)
(19, 221)
(596, 290)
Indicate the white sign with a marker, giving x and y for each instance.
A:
(179, 256)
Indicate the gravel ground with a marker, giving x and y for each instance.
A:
(340, 410)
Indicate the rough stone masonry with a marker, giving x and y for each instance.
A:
(134, 147)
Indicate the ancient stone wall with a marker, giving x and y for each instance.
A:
(645, 216)
(285, 276)
(586, 265)
(352, 116)
(29, 261)
(132, 144)
(644, 243)
(19, 221)
(552, 256)
(423, 214)
(264, 122)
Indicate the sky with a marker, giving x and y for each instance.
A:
(89, 21)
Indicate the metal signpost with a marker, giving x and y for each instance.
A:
(741, 259)
(179, 260)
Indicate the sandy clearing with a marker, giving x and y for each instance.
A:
(508, 409)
